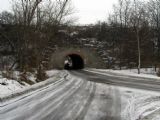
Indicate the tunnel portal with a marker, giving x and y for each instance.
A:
(73, 62)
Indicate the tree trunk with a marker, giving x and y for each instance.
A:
(139, 53)
(120, 66)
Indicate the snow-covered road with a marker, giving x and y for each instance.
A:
(83, 96)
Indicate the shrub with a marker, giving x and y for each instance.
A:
(41, 74)
(8, 74)
(23, 78)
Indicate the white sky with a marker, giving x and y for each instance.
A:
(91, 11)
(88, 11)
(4, 5)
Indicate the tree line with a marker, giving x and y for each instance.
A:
(30, 25)
(131, 32)
(139, 26)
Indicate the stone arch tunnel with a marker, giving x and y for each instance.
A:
(72, 53)
(74, 59)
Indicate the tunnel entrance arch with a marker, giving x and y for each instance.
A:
(73, 62)
(89, 52)
(85, 56)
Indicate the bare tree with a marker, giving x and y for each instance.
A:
(138, 17)
(154, 11)
(131, 19)
(24, 13)
(57, 11)
(121, 18)
(25, 10)
(36, 22)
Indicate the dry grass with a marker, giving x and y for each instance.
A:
(9, 74)
(23, 78)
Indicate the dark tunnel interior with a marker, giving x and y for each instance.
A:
(73, 62)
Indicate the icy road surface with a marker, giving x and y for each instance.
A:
(88, 96)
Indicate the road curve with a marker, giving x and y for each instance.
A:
(84, 96)
(120, 80)
(72, 98)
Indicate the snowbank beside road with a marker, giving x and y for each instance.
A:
(145, 73)
(51, 73)
(10, 87)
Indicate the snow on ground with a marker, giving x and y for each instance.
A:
(135, 104)
(124, 103)
(139, 104)
(9, 86)
(127, 103)
(51, 73)
(145, 72)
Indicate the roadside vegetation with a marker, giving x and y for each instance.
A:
(26, 31)
(130, 36)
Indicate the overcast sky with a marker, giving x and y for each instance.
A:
(90, 11)
(87, 11)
